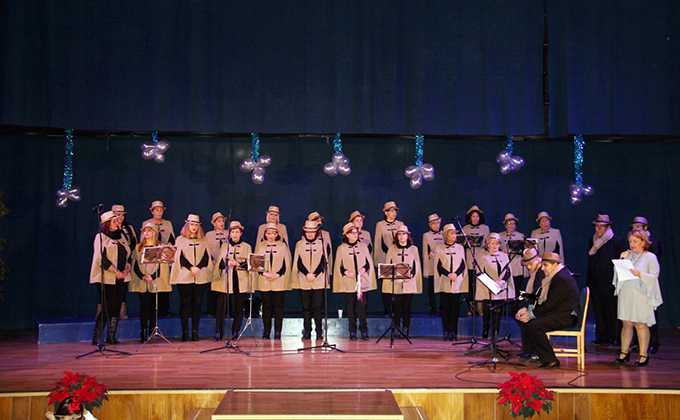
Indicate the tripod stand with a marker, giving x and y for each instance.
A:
(101, 344)
(156, 332)
(326, 284)
(391, 272)
(249, 321)
(234, 277)
(508, 301)
(471, 303)
(495, 311)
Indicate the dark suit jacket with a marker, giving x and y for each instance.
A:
(562, 299)
(600, 266)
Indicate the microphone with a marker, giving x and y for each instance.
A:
(524, 295)
(456, 218)
(98, 208)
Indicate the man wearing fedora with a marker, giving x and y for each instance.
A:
(556, 308)
(604, 247)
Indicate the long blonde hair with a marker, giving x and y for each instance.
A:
(185, 232)
(143, 243)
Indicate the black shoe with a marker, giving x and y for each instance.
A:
(185, 336)
(277, 335)
(217, 337)
(485, 335)
(654, 349)
(387, 312)
(319, 335)
(446, 335)
(306, 336)
(364, 336)
(405, 332)
(639, 363)
(433, 311)
(265, 336)
(352, 336)
(234, 335)
(453, 336)
(555, 364)
(528, 358)
(624, 359)
(194, 336)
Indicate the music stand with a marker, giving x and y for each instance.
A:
(324, 345)
(163, 254)
(515, 248)
(228, 345)
(467, 241)
(398, 271)
(255, 264)
(101, 345)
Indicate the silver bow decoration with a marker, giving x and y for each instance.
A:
(577, 191)
(155, 151)
(339, 164)
(257, 167)
(418, 174)
(65, 195)
(509, 162)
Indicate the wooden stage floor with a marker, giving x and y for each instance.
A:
(430, 363)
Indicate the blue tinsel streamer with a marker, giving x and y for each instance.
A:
(337, 144)
(255, 151)
(510, 145)
(154, 137)
(68, 160)
(578, 158)
(419, 149)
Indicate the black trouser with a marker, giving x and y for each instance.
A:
(190, 300)
(147, 310)
(386, 300)
(352, 304)
(311, 301)
(163, 303)
(535, 340)
(430, 292)
(402, 309)
(450, 311)
(605, 306)
(490, 317)
(272, 302)
(221, 310)
(113, 299)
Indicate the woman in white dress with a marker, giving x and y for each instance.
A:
(638, 298)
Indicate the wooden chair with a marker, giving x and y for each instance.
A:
(578, 331)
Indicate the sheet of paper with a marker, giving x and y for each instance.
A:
(488, 282)
(622, 268)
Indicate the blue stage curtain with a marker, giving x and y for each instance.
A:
(614, 67)
(49, 250)
(436, 67)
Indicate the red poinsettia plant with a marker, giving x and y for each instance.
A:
(526, 394)
(83, 391)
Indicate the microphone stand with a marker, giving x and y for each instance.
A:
(101, 344)
(506, 337)
(228, 345)
(326, 284)
(473, 341)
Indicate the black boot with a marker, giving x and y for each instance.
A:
(97, 334)
(113, 326)
(144, 335)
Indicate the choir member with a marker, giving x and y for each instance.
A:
(309, 277)
(357, 219)
(549, 239)
(216, 238)
(476, 228)
(402, 291)
(147, 280)
(450, 280)
(191, 272)
(166, 235)
(236, 280)
(275, 281)
(431, 239)
(112, 259)
(511, 234)
(326, 237)
(131, 237)
(497, 265)
(385, 230)
(273, 216)
(353, 275)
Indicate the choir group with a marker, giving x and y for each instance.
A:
(220, 261)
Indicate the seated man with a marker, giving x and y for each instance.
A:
(556, 308)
